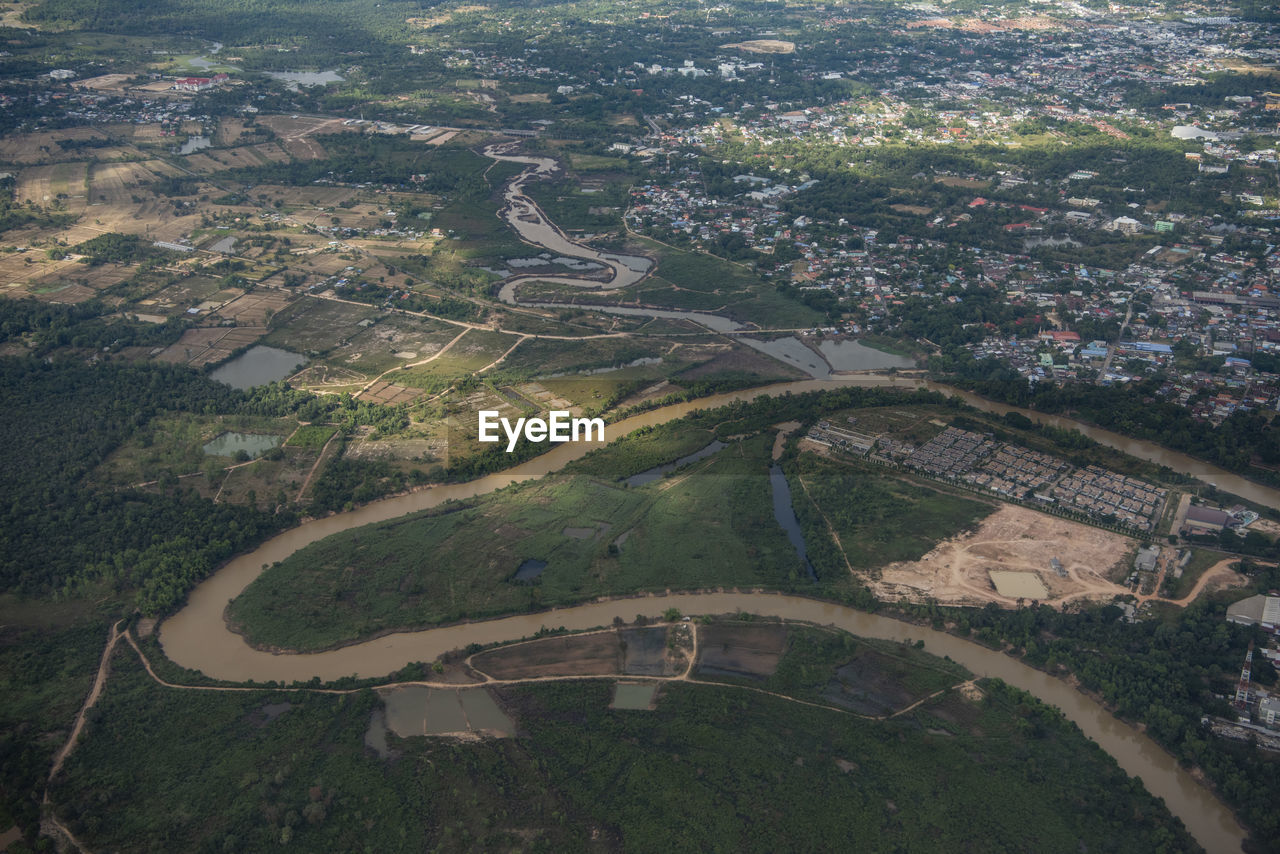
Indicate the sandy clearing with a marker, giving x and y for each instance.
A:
(1012, 539)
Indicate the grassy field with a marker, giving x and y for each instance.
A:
(544, 357)
(708, 525)
(1200, 561)
(877, 517)
(711, 768)
(474, 351)
(643, 449)
(311, 436)
(174, 445)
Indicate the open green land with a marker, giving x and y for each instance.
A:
(643, 449)
(879, 518)
(161, 769)
(706, 526)
(474, 351)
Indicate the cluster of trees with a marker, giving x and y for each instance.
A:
(1166, 673)
(346, 482)
(44, 327)
(380, 159)
(115, 249)
(15, 215)
(57, 533)
(449, 307)
(1135, 410)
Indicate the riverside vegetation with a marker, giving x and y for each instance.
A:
(706, 769)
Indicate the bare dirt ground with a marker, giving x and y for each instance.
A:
(762, 46)
(752, 651)
(1012, 539)
(255, 309)
(202, 346)
(579, 655)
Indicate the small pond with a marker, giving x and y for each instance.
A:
(786, 516)
(294, 79)
(194, 144)
(530, 569)
(418, 710)
(632, 695)
(258, 366)
(253, 444)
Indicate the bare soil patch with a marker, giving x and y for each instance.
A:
(740, 650)
(597, 654)
(1012, 539)
(390, 394)
(762, 46)
(646, 652)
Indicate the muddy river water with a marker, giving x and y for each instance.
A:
(197, 637)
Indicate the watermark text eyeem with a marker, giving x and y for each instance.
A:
(558, 426)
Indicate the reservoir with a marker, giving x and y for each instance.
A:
(294, 79)
(258, 366)
(194, 144)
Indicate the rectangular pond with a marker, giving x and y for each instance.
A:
(634, 695)
(418, 710)
(258, 366)
(253, 444)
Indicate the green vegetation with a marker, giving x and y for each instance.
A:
(710, 525)
(48, 657)
(262, 768)
(115, 249)
(1166, 673)
(1201, 560)
(879, 518)
(311, 436)
(57, 536)
(642, 450)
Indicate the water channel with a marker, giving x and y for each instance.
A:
(524, 215)
(785, 513)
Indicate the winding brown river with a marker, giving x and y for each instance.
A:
(198, 638)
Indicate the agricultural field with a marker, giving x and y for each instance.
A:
(314, 327)
(474, 352)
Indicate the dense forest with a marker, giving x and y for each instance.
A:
(57, 535)
(1166, 673)
(708, 769)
